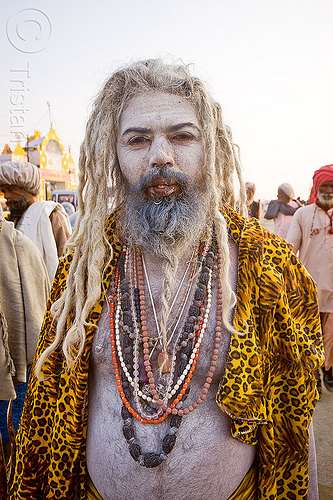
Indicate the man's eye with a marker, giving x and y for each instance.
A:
(138, 140)
(182, 136)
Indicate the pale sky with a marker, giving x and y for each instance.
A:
(268, 62)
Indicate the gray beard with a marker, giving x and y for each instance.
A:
(324, 201)
(18, 207)
(166, 225)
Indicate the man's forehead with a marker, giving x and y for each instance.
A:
(326, 183)
(156, 107)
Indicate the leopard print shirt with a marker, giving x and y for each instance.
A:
(268, 388)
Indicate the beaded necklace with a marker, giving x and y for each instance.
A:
(133, 381)
(136, 336)
(316, 230)
(129, 339)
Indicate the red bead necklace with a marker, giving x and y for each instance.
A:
(172, 407)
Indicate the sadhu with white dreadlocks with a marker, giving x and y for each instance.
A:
(177, 353)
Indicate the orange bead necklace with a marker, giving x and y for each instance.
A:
(171, 408)
(152, 459)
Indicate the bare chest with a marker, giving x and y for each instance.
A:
(203, 445)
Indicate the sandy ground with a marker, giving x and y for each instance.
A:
(323, 419)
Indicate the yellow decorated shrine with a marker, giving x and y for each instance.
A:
(57, 168)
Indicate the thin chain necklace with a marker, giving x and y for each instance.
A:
(181, 309)
(134, 380)
(175, 409)
(180, 312)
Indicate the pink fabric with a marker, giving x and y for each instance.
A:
(282, 222)
(321, 175)
(327, 328)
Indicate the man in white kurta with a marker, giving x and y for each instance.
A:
(311, 233)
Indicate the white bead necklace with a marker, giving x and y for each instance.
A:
(134, 382)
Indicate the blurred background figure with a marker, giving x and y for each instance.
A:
(254, 208)
(311, 232)
(24, 290)
(282, 209)
(45, 223)
(69, 209)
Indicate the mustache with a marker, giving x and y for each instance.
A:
(183, 180)
(163, 225)
(325, 196)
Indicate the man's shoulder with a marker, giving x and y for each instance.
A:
(112, 222)
(10, 235)
(17, 243)
(257, 245)
(304, 211)
(7, 229)
(47, 204)
(40, 207)
(306, 208)
(235, 222)
(240, 227)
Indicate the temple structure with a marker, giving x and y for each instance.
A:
(57, 168)
(9, 155)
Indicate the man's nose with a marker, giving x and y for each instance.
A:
(161, 153)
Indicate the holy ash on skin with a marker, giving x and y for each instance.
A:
(158, 129)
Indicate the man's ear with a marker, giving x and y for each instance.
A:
(32, 198)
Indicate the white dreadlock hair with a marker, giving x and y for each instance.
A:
(100, 175)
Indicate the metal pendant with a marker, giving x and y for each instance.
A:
(166, 364)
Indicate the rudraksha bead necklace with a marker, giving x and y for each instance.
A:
(128, 316)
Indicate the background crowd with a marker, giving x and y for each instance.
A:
(308, 227)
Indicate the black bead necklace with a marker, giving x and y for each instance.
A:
(185, 346)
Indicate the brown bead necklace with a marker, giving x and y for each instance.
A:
(174, 407)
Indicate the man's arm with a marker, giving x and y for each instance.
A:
(295, 232)
(31, 467)
(302, 301)
(297, 353)
(35, 287)
(60, 227)
(259, 210)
